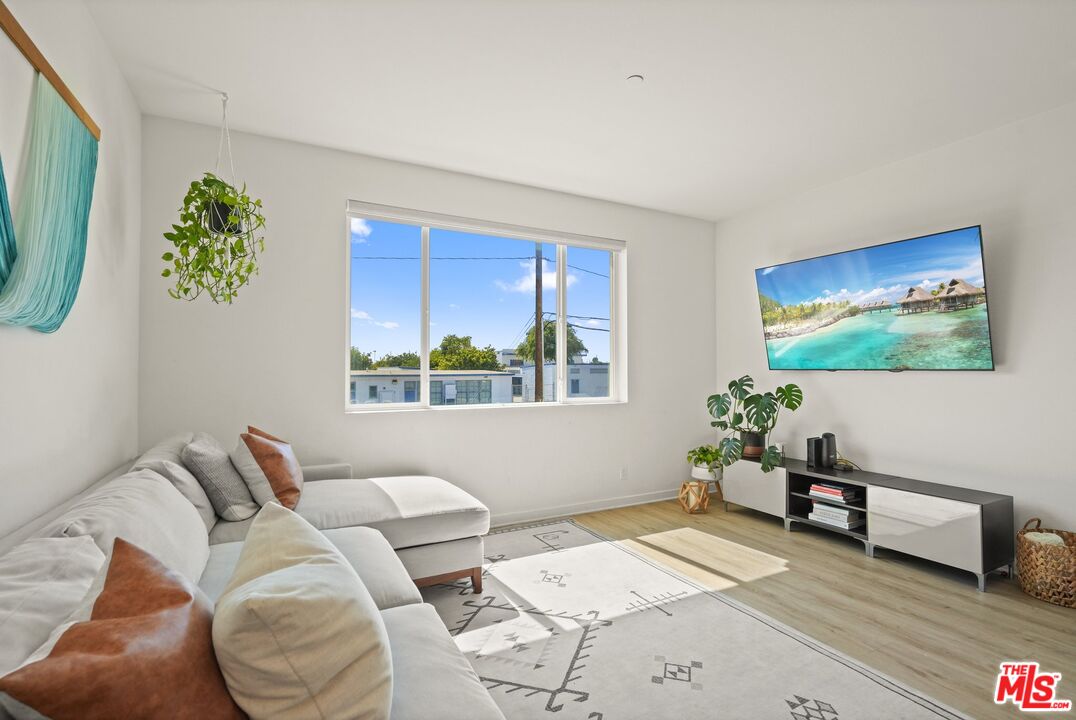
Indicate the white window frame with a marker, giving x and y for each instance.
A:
(618, 258)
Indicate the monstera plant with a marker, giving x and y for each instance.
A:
(217, 241)
(741, 412)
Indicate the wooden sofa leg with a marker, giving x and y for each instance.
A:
(476, 580)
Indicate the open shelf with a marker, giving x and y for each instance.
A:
(799, 501)
(860, 533)
(856, 505)
(857, 532)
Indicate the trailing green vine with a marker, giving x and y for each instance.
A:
(217, 241)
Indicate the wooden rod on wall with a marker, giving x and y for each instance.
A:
(26, 46)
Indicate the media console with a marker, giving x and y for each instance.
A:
(967, 529)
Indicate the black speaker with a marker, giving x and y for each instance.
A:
(829, 450)
(814, 451)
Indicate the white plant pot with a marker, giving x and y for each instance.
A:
(702, 473)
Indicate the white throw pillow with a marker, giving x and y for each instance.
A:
(144, 509)
(296, 632)
(42, 581)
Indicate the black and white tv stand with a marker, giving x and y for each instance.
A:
(967, 529)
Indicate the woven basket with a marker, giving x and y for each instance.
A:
(1047, 572)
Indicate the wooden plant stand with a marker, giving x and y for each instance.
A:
(694, 496)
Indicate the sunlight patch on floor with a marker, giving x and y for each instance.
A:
(712, 561)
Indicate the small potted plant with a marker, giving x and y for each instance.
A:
(705, 463)
(216, 241)
(749, 418)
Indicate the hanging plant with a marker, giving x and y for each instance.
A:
(218, 237)
(217, 242)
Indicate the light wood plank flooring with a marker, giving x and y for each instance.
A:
(921, 623)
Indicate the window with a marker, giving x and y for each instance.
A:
(588, 313)
(385, 307)
(479, 313)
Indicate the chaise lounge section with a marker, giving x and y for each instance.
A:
(434, 527)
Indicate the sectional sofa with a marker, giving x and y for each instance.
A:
(397, 533)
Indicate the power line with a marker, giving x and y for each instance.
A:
(507, 257)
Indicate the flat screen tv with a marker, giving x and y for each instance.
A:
(917, 304)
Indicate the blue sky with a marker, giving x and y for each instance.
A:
(883, 272)
(470, 294)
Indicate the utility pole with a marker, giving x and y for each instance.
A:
(539, 326)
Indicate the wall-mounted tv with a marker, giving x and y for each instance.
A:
(917, 304)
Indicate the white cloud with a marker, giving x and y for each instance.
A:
(769, 270)
(593, 323)
(858, 296)
(971, 271)
(360, 230)
(926, 283)
(453, 306)
(369, 320)
(527, 282)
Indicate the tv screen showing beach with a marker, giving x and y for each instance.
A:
(916, 304)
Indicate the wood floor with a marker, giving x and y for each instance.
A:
(918, 622)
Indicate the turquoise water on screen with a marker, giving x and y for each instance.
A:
(958, 340)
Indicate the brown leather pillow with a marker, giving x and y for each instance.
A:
(261, 433)
(146, 651)
(277, 462)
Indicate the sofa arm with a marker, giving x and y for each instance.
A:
(331, 471)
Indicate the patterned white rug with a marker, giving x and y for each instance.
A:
(573, 626)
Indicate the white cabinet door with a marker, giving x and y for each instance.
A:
(745, 484)
(946, 531)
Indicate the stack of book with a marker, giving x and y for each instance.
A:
(842, 517)
(837, 493)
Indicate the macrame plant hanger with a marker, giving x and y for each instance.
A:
(225, 141)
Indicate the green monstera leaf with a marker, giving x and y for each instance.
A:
(719, 405)
(760, 410)
(789, 396)
(771, 458)
(731, 450)
(741, 388)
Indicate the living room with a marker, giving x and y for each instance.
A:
(256, 257)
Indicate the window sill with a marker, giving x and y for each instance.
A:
(416, 407)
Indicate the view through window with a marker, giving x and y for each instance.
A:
(490, 296)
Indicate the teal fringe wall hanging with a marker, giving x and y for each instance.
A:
(42, 253)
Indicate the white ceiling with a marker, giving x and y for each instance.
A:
(743, 101)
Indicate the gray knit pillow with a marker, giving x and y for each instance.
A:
(209, 462)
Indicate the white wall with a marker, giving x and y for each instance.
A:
(1014, 428)
(274, 358)
(68, 401)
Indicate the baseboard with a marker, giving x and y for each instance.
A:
(590, 506)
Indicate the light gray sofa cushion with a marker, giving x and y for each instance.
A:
(223, 558)
(366, 550)
(408, 510)
(166, 459)
(431, 678)
(223, 484)
(374, 560)
(146, 510)
(42, 581)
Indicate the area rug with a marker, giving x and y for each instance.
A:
(570, 625)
